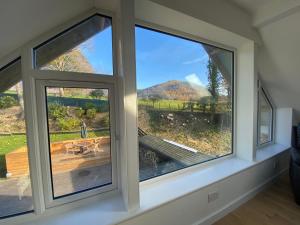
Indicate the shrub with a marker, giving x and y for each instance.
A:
(91, 113)
(105, 121)
(89, 105)
(103, 108)
(68, 124)
(7, 101)
(57, 111)
(97, 93)
(79, 112)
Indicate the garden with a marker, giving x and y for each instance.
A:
(66, 113)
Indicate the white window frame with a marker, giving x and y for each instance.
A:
(262, 92)
(180, 34)
(7, 62)
(124, 82)
(50, 201)
(34, 79)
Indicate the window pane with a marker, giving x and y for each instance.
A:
(86, 47)
(184, 102)
(15, 186)
(265, 123)
(79, 132)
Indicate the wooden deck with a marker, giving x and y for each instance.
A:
(274, 206)
(177, 153)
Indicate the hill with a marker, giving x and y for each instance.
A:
(175, 89)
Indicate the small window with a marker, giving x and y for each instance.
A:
(15, 184)
(79, 138)
(86, 47)
(265, 119)
(185, 103)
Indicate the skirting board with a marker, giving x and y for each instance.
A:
(214, 217)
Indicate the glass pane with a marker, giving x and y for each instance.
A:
(86, 48)
(184, 102)
(79, 132)
(265, 124)
(15, 185)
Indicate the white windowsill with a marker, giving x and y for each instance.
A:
(154, 194)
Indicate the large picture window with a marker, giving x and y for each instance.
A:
(185, 102)
(15, 184)
(265, 119)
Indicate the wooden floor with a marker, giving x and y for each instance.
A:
(274, 206)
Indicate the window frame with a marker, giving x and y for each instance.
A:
(262, 92)
(31, 76)
(189, 37)
(50, 199)
(120, 82)
(11, 60)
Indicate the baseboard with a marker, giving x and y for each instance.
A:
(214, 217)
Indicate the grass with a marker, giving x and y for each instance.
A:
(178, 105)
(162, 104)
(13, 142)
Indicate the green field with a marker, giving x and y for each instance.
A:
(174, 105)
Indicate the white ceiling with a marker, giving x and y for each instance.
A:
(251, 6)
(264, 12)
(21, 21)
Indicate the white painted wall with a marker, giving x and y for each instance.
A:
(284, 123)
(217, 12)
(194, 208)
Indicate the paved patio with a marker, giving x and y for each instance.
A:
(64, 183)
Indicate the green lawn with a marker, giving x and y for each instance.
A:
(162, 104)
(13, 142)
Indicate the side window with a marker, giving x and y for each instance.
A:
(15, 184)
(265, 118)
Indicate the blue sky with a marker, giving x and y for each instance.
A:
(159, 57)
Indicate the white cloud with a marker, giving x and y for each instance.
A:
(193, 79)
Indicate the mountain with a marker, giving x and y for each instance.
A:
(174, 89)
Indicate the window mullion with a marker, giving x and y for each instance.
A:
(31, 119)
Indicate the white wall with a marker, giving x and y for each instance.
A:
(193, 209)
(284, 123)
(217, 12)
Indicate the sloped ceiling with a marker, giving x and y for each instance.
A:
(279, 61)
(23, 20)
(278, 57)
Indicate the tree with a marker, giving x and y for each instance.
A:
(98, 93)
(72, 61)
(203, 102)
(19, 91)
(214, 83)
(154, 98)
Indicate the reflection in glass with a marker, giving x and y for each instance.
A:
(15, 185)
(79, 132)
(184, 102)
(87, 48)
(265, 123)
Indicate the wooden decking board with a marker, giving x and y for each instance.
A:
(175, 152)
